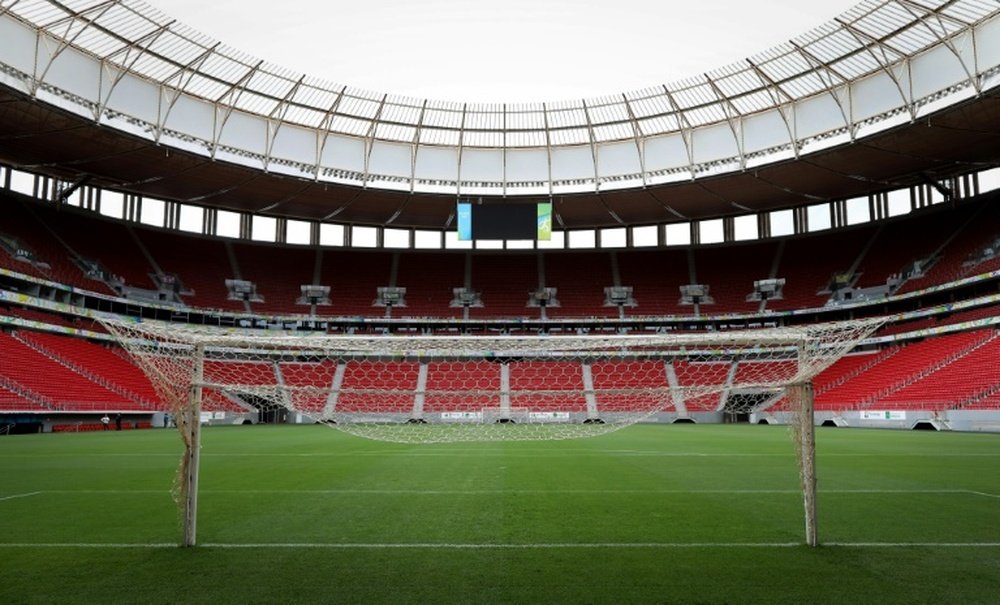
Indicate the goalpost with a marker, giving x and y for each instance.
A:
(436, 389)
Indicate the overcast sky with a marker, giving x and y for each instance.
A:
(510, 51)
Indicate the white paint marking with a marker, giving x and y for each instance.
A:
(494, 492)
(984, 494)
(507, 546)
(16, 496)
(415, 453)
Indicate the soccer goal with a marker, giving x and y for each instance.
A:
(435, 389)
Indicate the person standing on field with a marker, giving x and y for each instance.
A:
(106, 422)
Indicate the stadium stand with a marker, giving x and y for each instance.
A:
(354, 277)
(937, 373)
(708, 373)
(894, 370)
(22, 223)
(429, 280)
(45, 376)
(656, 277)
(11, 401)
(202, 265)
(51, 319)
(308, 375)
(505, 281)
(579, 280)
(452, 375)
(278, 273)
(361, 375)
(958, 257)
(629, 375)
(101, 364)
(552, 377)
(958, 379)
(731, 276)
(108, 243)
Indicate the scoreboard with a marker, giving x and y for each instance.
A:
(504, 221)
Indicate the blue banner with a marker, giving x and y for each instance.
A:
(464, 221)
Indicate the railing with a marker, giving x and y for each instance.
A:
(912, 378)
(89, 375)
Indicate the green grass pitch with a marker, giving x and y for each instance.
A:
(650, 514)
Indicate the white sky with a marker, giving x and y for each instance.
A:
(510, 51)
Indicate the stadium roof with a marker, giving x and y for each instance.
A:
(890, 93)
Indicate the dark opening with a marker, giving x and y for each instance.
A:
(20, 428)
(684, 421)
(737, 417)
(829, 422)
(924, 425)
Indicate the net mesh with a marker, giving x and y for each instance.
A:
(418, 389)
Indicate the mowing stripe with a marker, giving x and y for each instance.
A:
(16, 496)
(502, 546)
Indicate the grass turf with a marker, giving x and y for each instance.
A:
(651, 514)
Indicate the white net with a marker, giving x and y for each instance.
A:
(418, 389)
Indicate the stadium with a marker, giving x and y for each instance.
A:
(618, 349)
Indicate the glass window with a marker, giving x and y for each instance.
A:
(364, 237)
(427, 240)
(395, 238)
(298, 232)
(645, 236)
(582, 238)
(263, 228)
(745, 228)
(557, 242)
(711, 231)
(112, 204)
(22, 182)
(989, 180)
(899, 202)
(192, 218)
(678, 234)
(936, 196)
(520, 244)
(614, 238)
(818, 217)
(858, 211)
(153, 211)
(227, 224)
(451, 241)
(76, 198)
(782, 223)
(331, 234)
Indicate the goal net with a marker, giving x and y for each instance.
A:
(428, 389)
(480, 388)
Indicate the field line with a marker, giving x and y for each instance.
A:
(500, 546)
(16, 496)
(499, 492)
(984, 494)
(667, 492)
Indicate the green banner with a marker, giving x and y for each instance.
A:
(545, 221)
